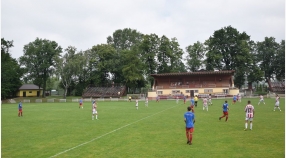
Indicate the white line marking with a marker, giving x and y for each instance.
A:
(109, 132)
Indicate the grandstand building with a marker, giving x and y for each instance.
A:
(277, 87)
(202, 83)
(106, 91)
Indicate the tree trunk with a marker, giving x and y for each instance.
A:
(249, 85)
(65, 93)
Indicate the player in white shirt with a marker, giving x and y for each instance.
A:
(239, 97)
(261, 99)
(177, 100)
(277, 103)
(136, 105)
(205, 104)
(210, 100)
(146, 102)
(249, 114)
(94, 111)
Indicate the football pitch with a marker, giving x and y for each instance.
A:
(64, 130)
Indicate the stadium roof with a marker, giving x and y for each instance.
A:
(29, 86)
(225, 72)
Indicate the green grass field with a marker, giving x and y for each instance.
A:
(64, 130)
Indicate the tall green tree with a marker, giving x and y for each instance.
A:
(105, 56)
(279, 67)
(176, 64)
(121, 40)
(164, 55)
(148, 51)
(196, 54)
(228, 49)
(10, 71)
(39, 60)
(68, 68)
(266, 55)
(132, 70)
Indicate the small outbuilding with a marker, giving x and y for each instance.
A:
(29, 90)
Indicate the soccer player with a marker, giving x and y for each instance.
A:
(249, 111)
(136, 105)
(157, 98)
(80, 103)
(234, 99)
(225, 109)
(146, 102)
(185, 99)
(205, 104)
(20, 109)
(210, 100)
(196, 100)
(261, 99)
(192, 104)
(94, 111)
(177, 100)
(129, 99)
(189, 119)
(277, 103)
(239, 97)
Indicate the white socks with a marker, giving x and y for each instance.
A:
(250, 125)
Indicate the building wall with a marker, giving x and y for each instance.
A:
(29, 93)
(201, 84)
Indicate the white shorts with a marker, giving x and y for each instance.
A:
(94, 112)
(261, 100)
(277, 104)
(249, 119)
(205, 105)
(136, 105)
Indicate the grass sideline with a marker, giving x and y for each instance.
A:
(64, 130)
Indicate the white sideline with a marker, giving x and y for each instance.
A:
(110, 132)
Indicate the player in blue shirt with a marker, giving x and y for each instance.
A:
(189, 119)
(225, 109)
(80, 103)
(20, 108)
(192, 103)
(234, 99)
(185, 99)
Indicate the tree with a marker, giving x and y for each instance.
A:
(10, 71)
(132, 70)
(228, 49)
(196, 54)
(266, 55)
(254, 74)
(39, 60)
(176, 64)
(68, 68)
(148, 51)
(279, 66)
(105, 57)
(121, 40)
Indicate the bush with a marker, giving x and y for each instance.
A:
(261, 93)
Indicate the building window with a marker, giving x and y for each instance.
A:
(208, 90)
(225, 91)
(30, 92)
(174, 92)
(189, 90)
(159, 92)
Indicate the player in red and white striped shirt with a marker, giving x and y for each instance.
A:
(249, 114)
(277, 103)
(205, 104)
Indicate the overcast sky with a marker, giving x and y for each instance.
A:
(85, 23)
